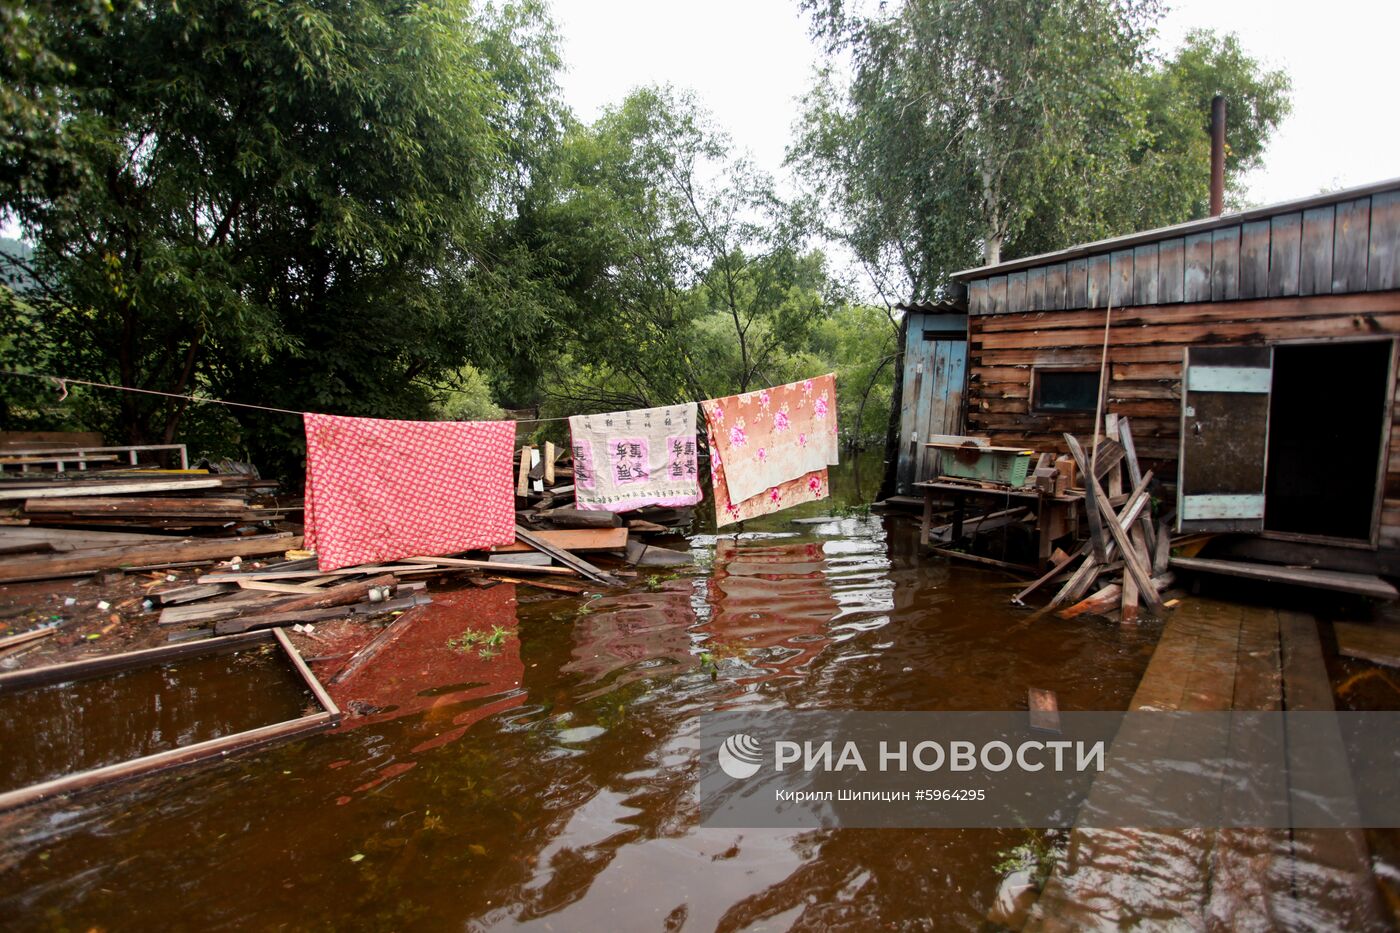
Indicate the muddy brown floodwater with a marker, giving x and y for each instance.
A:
(549, 785)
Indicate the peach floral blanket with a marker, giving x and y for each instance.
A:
(770, 449)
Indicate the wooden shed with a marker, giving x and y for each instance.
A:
(1254, 352)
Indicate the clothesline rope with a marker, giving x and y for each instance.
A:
(63, 382)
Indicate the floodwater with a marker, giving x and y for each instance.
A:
(57, 729)
(549, 783)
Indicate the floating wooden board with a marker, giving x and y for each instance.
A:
(573, 539)
(1044, 709)
(212, 748)
(1375, 643)
(1359, 583)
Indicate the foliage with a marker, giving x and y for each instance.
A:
(486, 644)
(972, 130)
(287, 203)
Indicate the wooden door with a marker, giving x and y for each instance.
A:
(935, 379)
(1224, 438)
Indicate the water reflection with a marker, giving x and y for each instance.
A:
(551, 785)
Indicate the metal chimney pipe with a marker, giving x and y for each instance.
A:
(1217, 156)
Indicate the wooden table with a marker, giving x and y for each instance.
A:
(1055, 515)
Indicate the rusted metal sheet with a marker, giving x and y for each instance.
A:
(1120, 277)
(1196, 280)
(1225, 264)
(1077, 284)
(1350, 246)
(1145, 274)
(1254, 260)
(1224, 438)
(1285, 247)
(1315, 259)
(1098, 280)
(1383, 268)
(1055, 295)
(1171, 271)
(1035, 289)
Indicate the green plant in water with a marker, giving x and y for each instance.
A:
(1037, 856)
(487, 644)
(656, 581)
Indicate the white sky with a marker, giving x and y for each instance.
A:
(750, 60)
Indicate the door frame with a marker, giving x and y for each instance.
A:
(1383, 461)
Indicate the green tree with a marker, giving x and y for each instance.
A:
(688, 273)
(973, 131)
(300, 203)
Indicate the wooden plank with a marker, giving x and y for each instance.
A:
(1098, 281)
(373, 647)
(522, 483)
(1016, 292)
(1383, 264)
(130, 505)
(1145, 274)
(1035, 289)
(1120, 277)
(1358, 583)
(1319, 765)
(341, 595)
(267, 586)
(996, 294)
(1254, 260)
(551, 453)
(1351, 246)
(1044, 708)
(1171, 271)
(307, 677)
(1196, 276)
(83, 488)
(496, 565)
(1285, 254)
(1131, 558)
(140, 555)
(573, 539)
(555, 585)
(977, 298)
(1379, 644)
(1315, 256)
(1055, 287)
(1077, 284)
(571, 561)
(1225, 264)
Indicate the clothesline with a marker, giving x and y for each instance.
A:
(63, 382)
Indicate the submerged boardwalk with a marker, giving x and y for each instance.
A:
(1214, 657)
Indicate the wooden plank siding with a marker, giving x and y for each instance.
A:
(1337, 249)
(1146, 348)
(1319, 269)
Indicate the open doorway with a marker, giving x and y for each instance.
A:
(1327, 428)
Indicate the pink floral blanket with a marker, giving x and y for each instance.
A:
(770, 448)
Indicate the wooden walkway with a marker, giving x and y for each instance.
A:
(1219, 656)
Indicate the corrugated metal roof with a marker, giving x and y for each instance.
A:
(1164, 233)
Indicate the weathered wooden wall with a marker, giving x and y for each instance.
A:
(1145, 357)
(935, 371)
(1330, 249)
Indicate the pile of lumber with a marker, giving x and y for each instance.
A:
(146, 500)
(1124, 564)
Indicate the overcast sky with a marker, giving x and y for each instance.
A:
(750, 60)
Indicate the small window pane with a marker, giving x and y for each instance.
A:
(1066, 390)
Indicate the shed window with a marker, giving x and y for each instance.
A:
(1065, 389)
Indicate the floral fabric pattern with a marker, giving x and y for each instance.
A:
(769, 450)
